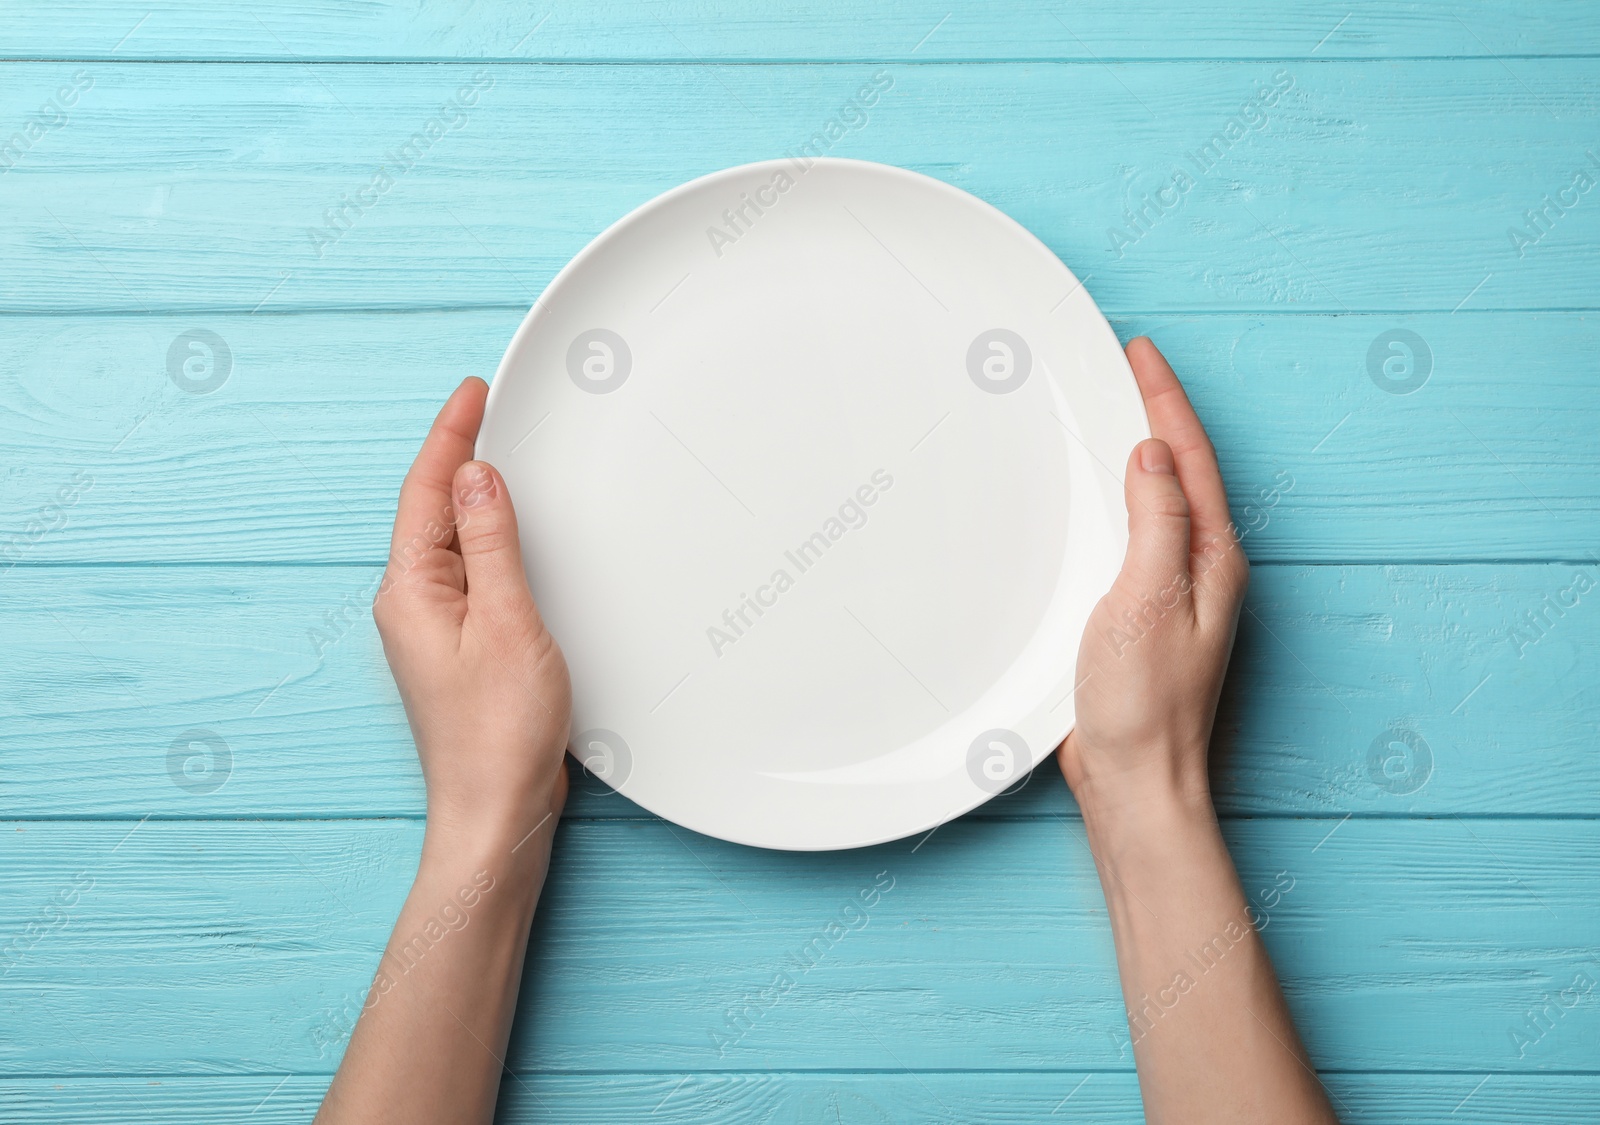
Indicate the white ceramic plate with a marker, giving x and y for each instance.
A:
(817, 468)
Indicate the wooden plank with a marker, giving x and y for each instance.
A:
(1336, 668)
(677, 29)
(983, 1098)
(1353, 186)
(245, 947)
(299, 455)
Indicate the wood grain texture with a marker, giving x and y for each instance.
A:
(969, 1098)
(211, 970)
(109, 667)
(1363, 186)
(239, 947)
(299, 455)
(679, 29)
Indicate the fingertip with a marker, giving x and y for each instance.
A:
(471, 389)
(467, 384)
(1142, 350)
(1155, 456)
(477, 484)
(459, 419)
(1144, 354)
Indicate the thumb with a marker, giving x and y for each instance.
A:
(486, 532)
(1158, 519)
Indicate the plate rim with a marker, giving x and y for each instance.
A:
(526, 327)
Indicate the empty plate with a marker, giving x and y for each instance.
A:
(817, 468)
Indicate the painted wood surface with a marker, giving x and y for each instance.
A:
(1409, 727)
(981, 1098)
(245, 947)
(298, 455)
(840, 1098)
(1338, 186)
(830, 29)
(1337, 671)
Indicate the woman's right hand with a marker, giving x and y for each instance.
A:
(1153, 656)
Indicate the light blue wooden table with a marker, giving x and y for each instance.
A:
(1380, 283)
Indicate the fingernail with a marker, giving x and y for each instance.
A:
(477, 484)
(1156, 457)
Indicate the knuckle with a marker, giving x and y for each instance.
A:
(404, 583)
(1235, 573)
(383, 612)
(437, 562)
(542, 649)
(489, 537)
(1169, 505)
(1220, 564)
(519, 640)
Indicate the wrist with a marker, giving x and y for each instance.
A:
(494, 810)
(1136, 778)
(511, 842)
(1147, 821)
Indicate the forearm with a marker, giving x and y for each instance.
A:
(1211, 1035)
(432, 1035)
